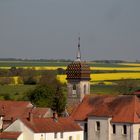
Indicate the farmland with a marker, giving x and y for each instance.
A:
(106, 77)
(101, 73)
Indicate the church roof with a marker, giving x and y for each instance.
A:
(122, 109)
(78, 70)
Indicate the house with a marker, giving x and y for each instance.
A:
(43, 129)
(12, 110)
(109, 117)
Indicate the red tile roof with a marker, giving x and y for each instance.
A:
(120, 108)
(39, 112)
(47, 125)
(13, 109)
(9, 135)
(36, 112)
(20, 109)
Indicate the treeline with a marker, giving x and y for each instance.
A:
(110, 61)
(25, 76)
(36, 60)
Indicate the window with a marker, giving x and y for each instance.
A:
(74, 89)
(41, 137)
(84, 89)
(61, 135)
(97, 126)
(55, 135)
(70, 137)
(114, 128)
(85, 127)
(124, 129)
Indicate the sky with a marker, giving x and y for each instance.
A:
(49, 29)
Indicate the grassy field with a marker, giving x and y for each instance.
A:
(103, 89)
(63, 64)
(16, 91)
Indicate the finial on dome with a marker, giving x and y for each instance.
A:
(78, 52)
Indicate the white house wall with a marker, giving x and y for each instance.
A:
(132, 132)
(20, 137)
(104, 133)
(50, 136)
(135, 134)
(18, 126)
(119, 132)
(28, 134)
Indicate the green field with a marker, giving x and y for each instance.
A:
(15, 91)
(31, 63)
(103, 89)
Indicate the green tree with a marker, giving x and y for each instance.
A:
(30, 80)
(59, 101)
(42, 96)
(49, 93)
(49, 78)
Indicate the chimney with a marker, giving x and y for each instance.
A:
(12, 119)
(30, 116)
(55, 116)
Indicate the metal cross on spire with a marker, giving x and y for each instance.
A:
(78, 52)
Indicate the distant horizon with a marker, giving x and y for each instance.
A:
(62, 59)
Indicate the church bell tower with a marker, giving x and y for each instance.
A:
(78, 78)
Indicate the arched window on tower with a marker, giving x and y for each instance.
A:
(74, 89)
(85, 89)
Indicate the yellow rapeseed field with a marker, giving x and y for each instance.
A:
(116, 68)
(16, 80)
(92, 68)
(106, 76)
